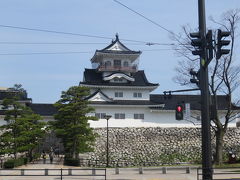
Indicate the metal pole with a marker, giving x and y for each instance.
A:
(107, 145)
(105, 174)
(205, 100)
(107, 117)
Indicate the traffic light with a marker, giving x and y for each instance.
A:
(220, 42)
(197, 43)
(179, 112)
(209, 45)
(195, 77)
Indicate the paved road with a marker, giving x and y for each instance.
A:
(124, 174)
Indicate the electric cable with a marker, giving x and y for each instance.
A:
(78, 34)
(76, 52)
(148, 19)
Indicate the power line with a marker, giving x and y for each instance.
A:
(78, 34)
(6, 42)
(42, 53)
(157, 50)
(76, 43)
(52, 31)
(144, 17)
(76, 52)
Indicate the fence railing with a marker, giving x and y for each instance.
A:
(220, 173)
(55, 172)
(122, 163)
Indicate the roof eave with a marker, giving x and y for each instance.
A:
(120, 87)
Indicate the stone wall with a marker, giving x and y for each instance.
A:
(154, 144)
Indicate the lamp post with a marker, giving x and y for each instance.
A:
(107, 117)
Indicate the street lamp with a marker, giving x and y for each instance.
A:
(107, 117)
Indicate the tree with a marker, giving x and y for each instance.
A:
(22, 131)
(71, 123)
(224, 76)
(32, 131)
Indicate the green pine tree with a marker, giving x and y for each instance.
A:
(71, 123)
(23, 130)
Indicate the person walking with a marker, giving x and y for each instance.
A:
(51, 154)
(44, 156)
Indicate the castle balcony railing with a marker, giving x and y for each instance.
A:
(117, 68)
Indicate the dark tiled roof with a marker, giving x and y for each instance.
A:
(94, 77)
(43, 109)
(126, 102)
(194, 100)
(128, 51)
(8, 94)
(119, 52)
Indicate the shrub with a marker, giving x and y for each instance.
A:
(25, 160)
(19, 162)
(36, 156)
(71, 162)
(14, 163)
(9, 164)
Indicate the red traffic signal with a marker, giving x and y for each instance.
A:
(179, 112)
(179, 108)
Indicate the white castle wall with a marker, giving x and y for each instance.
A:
(151, 119)
(163, 118)
(127, 93)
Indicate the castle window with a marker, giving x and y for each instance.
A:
(137, 94)
(138, 116)
(119, 116)
(118, 94)
(125, 64)
(100, 115)
(118, 80)
(108, 63)
(117, 63)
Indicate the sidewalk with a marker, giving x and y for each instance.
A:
(124, 173)
(152, 173)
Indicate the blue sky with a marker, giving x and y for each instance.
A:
(44, 76)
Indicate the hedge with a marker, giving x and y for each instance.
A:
(71, 162)
(9, 164)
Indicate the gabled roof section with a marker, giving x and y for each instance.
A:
(116, 46)
(99, 96)
(118, 75)
(94, 77)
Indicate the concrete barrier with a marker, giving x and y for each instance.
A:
(116, 170)
(46, 172)
(164, 170)
(69, 171)
(93, 172)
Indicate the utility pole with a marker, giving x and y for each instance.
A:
(205, 100)
(107, 117)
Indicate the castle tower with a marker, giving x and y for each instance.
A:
(118, 87)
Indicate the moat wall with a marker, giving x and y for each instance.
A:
(154, 144)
